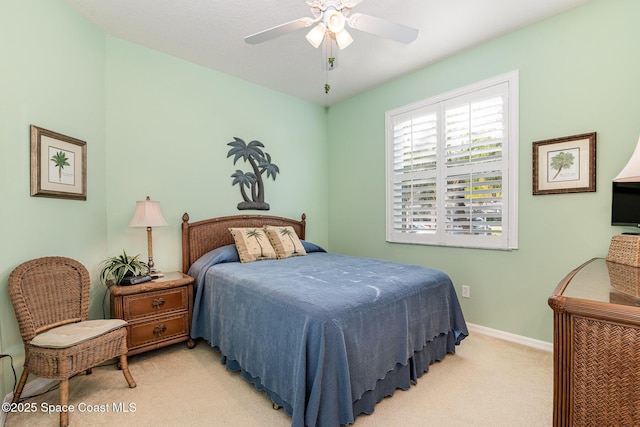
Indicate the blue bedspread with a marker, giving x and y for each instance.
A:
(318, 331)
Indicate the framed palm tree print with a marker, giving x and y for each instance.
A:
(58, 165)
(565, 165)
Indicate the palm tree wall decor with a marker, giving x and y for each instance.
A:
(565, 165)
(60, 160)
(260, 163)
(561, 161)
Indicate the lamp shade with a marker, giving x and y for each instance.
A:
(316, 35)
(344, 39)
(335, 21)
(631, 171)
(147, 214)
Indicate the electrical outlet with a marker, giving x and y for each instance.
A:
(466, 291)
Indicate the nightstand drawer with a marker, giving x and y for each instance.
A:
(159, 312)
(158, 330)
(158, 302)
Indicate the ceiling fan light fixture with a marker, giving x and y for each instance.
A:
(344, 39)
(335, 21)
(316, 35)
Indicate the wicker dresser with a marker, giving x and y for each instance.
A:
(159, 312)
(597, 346)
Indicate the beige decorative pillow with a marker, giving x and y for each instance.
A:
(252, 244)
(285, 241)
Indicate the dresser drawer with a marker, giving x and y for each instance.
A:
(158, 329)
(157, 302)
(158, 312)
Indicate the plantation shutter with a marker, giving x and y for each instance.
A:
(414, 166)
(448, 171)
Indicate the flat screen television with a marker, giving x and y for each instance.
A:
(625, 204)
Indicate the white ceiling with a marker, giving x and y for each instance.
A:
(211, 33)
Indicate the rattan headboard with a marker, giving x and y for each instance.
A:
(200, 237)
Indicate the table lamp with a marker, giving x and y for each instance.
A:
(631, 171)
(148, 214)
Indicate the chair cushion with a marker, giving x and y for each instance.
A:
(75, 333)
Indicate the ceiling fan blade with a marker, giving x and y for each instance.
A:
(279, 30)
(350, 4)
(382, 28)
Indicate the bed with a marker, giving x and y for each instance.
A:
(326, 336)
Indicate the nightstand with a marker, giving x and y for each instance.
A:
(158, 312)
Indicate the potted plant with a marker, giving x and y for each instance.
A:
(116, 268)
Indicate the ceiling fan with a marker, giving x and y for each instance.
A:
(331, 16)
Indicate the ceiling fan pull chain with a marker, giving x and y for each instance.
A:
(329, 59)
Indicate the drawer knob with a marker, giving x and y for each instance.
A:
(157, 303)
(159, 330)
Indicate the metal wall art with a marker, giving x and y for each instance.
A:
(251, 183)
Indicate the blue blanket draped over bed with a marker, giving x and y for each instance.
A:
(319, 331)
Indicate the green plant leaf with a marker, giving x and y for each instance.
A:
(115, 268)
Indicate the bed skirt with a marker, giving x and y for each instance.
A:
(400, 378)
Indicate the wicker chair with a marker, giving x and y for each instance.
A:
(50, 297)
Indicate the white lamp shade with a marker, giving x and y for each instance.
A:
(147, 214)
(631, 171)
(344, 39)
(335, 21)
(316, 35)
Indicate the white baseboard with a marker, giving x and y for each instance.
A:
(507, 336)
(32, 388)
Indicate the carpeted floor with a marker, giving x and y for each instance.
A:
(488, 382)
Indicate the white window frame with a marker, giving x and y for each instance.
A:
(508, 238)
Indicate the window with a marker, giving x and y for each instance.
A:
(452, 168)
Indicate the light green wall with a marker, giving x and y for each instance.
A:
(158, 126)
(168, 125)
(154, 125)
(578, 73)
(52, 76)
